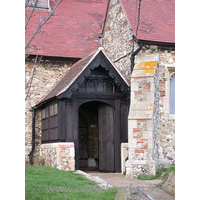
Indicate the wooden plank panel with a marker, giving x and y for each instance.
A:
(53, 122)
(124, 124)
(68, 121)
(54, 134)
(117, 136)
(45, 135)
(45, 124)
(106, 143)
(61, 120)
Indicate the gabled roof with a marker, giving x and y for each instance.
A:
(157, 19)
(67, 79)
(72, 31)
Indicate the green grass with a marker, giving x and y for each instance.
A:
(158, 174)
(145, 177)
(168, 170)
(50, 183)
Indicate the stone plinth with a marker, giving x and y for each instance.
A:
(58, 155)
(124, 156)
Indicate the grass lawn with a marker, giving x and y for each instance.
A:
(50, 183)
(158, 174)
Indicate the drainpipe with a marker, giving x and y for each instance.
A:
(135, 52)
(33, 137)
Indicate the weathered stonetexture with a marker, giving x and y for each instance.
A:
(164, 122)
(149, 91)
(168, 184)
(44, 76)
(117, 38)
(146, 137)
(58, 155)
(142, 116)
(145, 115)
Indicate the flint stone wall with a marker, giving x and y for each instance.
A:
(169, 184)
(58, 155)
(117, 40)
(43, 78)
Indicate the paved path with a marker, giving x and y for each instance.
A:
(138, 189)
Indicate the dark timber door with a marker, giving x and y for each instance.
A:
(106, 139)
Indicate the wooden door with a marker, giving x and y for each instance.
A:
(106, 139)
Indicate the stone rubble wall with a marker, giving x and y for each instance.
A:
(117, 40)
(168, 184)
(166, 123)
(58, 155)
(45, 75)
(156, 116)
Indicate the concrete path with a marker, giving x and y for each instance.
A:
(136, 189)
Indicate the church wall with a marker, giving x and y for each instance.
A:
(45, 75)
(166, 123)
(117, 40)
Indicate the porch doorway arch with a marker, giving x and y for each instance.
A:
(96, 136)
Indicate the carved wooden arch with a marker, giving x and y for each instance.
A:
(86, 115)
(108, 102)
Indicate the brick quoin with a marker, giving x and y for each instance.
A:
(140, 141)
(141, 120)
(144, 139)
(136, 136)
(162, 94)
(147, 84)
(138, 92)
(162, 83)
(136, 130)
(139, 151)
(144, 147)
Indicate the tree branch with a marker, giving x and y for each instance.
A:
(41, 24)
(36, 1)
(26, 3)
